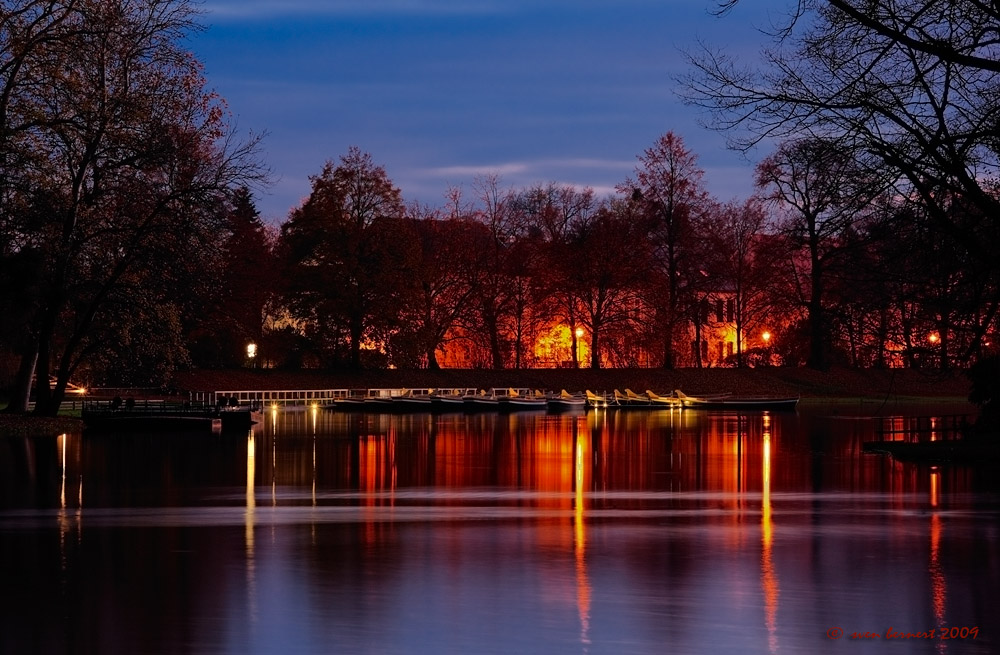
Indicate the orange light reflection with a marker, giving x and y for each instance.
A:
(769, 577)
(583, 590)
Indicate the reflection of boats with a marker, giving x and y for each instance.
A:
(727, 401)
(565, 400)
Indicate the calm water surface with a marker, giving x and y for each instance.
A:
(604, 532)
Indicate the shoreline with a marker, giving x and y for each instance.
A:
(26, 425)
(838, 384)
(841, 387)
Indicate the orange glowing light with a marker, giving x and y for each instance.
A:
(766, 336)
(934, 337)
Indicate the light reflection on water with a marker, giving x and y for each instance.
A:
(617, 533)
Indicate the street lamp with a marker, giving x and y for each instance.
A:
(251, 352)
(576, 347)
(766, 336)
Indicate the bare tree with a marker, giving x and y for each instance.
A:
(668, 188)
(908, 85)
(746, 263)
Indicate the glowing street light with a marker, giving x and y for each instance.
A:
(576, 359)
(934, 337)
(766, 336)
(251, 353)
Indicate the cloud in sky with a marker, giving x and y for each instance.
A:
(440, 91)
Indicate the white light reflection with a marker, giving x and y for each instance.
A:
(66, 523)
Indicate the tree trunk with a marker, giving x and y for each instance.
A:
(817, 320)
(432, 362)
(697, 342)
(22, 383)
(356, 330)
(575, 344)
(595, 348)
(817, 337)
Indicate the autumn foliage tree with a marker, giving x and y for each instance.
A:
(114, 158)
(611, 266)
(443, 280)
(744, 265)
(347, 257)
(230, 292)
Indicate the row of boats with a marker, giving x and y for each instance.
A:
(511, 399)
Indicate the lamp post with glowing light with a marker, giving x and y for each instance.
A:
(577, 334)
(251, 354)
(935, 340)
(766, 338)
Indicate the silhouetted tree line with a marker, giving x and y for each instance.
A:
(130, 244)
(828, 255)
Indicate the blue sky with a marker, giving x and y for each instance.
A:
(440, 91)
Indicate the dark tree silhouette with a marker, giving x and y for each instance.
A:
(346, 255)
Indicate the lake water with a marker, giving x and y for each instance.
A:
(599, 532)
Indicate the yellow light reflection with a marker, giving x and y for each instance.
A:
(768, 576)
(251, 501)
(935, 486)
(63, 518)
(62, 486)
(939, 588)
(583, 590)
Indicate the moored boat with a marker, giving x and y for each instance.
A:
(480, 401)
(447, 399)
(101, 416)
(407, 400)
(565, 400)
(596, 400)
(659, 401)
(725, 401)
(515, 400)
